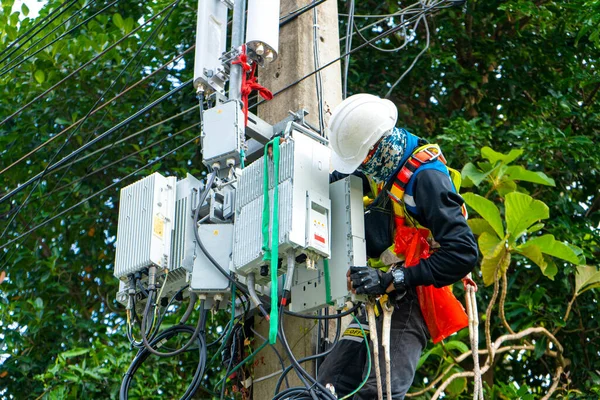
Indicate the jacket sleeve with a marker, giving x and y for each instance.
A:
(439, 210)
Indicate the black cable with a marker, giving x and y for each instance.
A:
(137, 53)
(164, 313)
(209, 184)
(109, 48)
(313, 357)
(69, 157)
(38, 23)
(307, 316)
(148, 40)
(231, 358)
(143, 354)
(359, 47)
(348, 44)
(318, 80)
(279, 357)
(110, 101)
(304, 376)
(24, 236)
(7, 67)
(119, 161)
(73, 2)
(295, 391)
(199, 327)
(295, 14)
(221, 335)
(118, 181)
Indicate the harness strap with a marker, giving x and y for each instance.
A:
(422, 155)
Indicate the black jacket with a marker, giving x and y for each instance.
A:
(439, 211)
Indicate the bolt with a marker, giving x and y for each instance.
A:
(260, 49)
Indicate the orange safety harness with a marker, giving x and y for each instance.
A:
(442, 312)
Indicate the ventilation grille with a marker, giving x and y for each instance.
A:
(134, 231)
(179, 235)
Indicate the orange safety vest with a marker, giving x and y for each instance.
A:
(442, 312)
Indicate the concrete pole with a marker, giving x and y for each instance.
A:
(296, 60)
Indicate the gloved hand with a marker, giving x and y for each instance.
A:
(367, 280)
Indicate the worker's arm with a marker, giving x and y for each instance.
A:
(439, 210)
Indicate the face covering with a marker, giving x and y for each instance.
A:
(387, 157)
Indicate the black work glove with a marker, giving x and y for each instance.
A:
(367, 280)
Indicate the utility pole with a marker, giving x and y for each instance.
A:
(295, 60)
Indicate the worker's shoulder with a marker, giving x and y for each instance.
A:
(433, 176)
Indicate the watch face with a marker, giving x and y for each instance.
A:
(399, 275)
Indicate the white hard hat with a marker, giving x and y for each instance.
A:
(356, 124)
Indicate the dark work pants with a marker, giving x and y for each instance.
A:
(345, 367)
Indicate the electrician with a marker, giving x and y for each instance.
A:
(426, 246)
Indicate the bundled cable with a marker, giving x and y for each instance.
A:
(143, 354)
(196, 332)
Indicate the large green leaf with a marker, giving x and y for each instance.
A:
(587, 277)
(470, 173)
(480, 225)
(487, 210)
(488, 244)
(521, 212)
(534, 253)
(494, 156)
(548, 245)
(506, 186)
(118, 20)
(519, 173)
(494, 256)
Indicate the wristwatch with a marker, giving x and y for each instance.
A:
(399, 281)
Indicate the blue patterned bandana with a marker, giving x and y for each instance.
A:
(387, 157)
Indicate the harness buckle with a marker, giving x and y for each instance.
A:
(432, 155)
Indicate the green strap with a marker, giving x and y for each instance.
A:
(327, 281)
(272, 251)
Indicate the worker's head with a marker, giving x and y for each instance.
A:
(362, 136)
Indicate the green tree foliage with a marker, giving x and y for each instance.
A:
(61, 332)
(517, 76)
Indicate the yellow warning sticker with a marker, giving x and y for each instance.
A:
(158, 226)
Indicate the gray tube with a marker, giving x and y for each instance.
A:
(289, 275)
(190, 308)
(250, 281)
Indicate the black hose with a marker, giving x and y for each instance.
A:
(231, 358)
(209, 183)
(306, 316)
(313, 357)
(296, 393)
(199, 328)
(143, 354)
(305, 377)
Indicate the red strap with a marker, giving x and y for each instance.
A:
(249, 82)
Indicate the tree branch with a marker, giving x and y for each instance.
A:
(501, 306)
